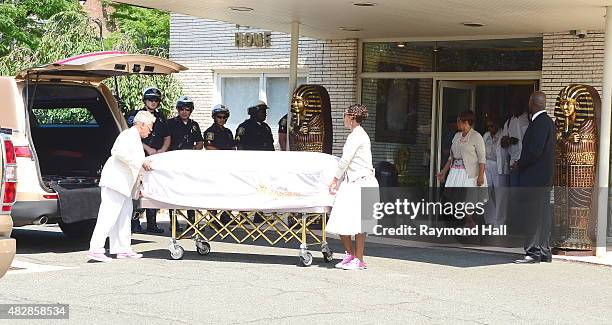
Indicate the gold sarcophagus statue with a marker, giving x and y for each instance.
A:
(576, 112)
(310, 128)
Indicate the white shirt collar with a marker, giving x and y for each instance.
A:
(536, 114)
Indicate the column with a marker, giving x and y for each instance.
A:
(293, 63)
(603, 163)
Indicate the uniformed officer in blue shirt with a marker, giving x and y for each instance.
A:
(217, 136)
(185, 134)
(255, 133)
(158, 141)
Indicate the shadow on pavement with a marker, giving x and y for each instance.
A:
(51, 240)
(448, 256)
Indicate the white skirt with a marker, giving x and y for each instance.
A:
(458, 177)
(346, 215)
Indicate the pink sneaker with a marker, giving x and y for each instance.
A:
(131, 254)
(354, 264)
(347, 258)
(100, 257)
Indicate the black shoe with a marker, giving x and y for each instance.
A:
(155, 230)
(136, 227)
(546, 259)
(527, 260)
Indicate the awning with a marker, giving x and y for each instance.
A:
(334, 19)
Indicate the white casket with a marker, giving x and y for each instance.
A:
(240, 180)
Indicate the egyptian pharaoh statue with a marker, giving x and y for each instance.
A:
(576, 111)
(311, 126)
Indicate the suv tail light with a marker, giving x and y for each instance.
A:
(10, 177)
(23, 152)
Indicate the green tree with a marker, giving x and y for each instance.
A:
(22, 22)
(71, 33)
(148, 28)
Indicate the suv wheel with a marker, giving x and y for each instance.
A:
(80, 230)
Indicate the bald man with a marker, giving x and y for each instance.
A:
(536, 170)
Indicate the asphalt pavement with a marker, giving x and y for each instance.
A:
(259, 284)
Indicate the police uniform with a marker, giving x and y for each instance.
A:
(219, 137)
(254, 135)
(183, 135)
(155, 139)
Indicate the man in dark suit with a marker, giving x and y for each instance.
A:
(536, 170)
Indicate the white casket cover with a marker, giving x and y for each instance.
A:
(240, 180)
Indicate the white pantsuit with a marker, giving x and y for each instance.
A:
(118, 180)
(496, 208)
(497, 170)
(114, 222)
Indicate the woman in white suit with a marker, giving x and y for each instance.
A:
(356, 170)
(119, 176)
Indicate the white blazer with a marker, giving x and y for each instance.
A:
(356, 160)
(121, 170)
(501, 154)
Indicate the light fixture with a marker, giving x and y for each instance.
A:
(350, 29)
(364, 4)
(401, 45)
(472, 24)
(244, 9)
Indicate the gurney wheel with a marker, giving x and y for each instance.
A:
(203, 248)
(306, 259)
(176, 252)
(328, 256)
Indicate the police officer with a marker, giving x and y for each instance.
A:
(185, 134)
(255, 133)
(217, 136)
(158, 141)
(282, 133)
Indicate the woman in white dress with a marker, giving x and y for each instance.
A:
(118, 178)
(354, 171)
(466, 179)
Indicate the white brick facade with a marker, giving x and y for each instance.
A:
(569, 59)
(207, 47)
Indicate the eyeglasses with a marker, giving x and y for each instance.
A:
(184, 109)
(154, 100)
(149, 127)
(221, 117)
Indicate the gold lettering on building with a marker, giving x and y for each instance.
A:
(263, 39)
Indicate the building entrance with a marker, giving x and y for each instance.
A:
(486, 98)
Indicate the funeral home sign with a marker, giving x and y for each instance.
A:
(263, 39)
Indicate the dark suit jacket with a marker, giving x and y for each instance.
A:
(536, 165)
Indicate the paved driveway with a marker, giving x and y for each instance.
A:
(238, 284)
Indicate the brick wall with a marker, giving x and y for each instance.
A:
(207, 46)
(569, 59)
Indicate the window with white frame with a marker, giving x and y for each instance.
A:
(239, 91)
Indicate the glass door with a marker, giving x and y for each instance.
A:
(453, 98)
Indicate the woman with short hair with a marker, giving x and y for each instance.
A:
(466, 180)
(355, 170)
(119, 176)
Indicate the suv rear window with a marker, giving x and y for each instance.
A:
(58, 117)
